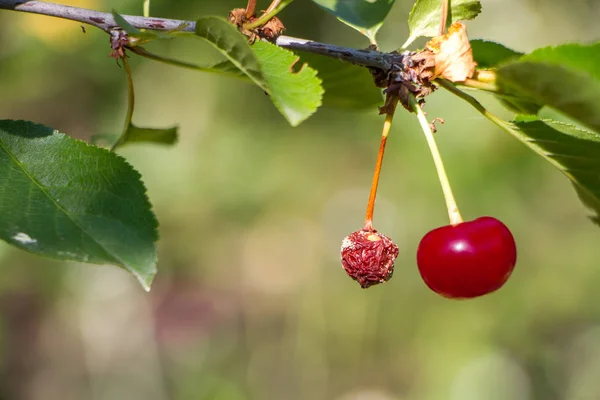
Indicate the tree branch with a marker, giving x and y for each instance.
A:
(106, 22)
(362, 57)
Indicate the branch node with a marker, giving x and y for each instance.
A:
(118, 41)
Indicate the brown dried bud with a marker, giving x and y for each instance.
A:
(118, 40)
(270, 30)
(368, 257)
(237, 16)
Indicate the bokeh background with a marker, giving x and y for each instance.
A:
(251, 301)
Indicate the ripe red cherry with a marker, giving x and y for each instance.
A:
(467, 260)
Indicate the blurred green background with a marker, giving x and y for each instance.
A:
(251, 301)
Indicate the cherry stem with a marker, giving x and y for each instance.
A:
(443, 17)
(387, 124)
(250, 8)
(453, 213)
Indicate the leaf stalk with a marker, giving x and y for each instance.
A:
(130, 105)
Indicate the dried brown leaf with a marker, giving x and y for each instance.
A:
(453, 54)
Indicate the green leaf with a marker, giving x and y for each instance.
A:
(64, 199)
(127, 27)
(490, 54)
(576, 56)
(519, 105)
(566, 78)
(233, 45)
(575, 152)
(346, 86)
(296, 94)
(135, 134)
(424, 19)
(152, 135)
(137, 37)
(366, 16)
(225, 67)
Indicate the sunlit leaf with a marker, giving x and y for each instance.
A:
(233, 45)
(65, 199)
(490, 54)
(296, 94)
(366, 16)
(346, 86)
(583, 57)
(424, 19)
(566, 78)
(575, 152)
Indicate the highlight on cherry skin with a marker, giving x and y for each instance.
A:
(467, 260)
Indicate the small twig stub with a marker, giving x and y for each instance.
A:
(270, 30)
(118, 41)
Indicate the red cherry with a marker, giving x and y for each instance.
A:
(467, 260)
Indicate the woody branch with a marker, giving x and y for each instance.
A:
(106, 22)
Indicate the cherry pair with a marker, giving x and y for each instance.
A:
(461, 260)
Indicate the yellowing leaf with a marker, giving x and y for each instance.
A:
(453, 54)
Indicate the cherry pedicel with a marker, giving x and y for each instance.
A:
(368, 256)
(467, 260)
(464, 259)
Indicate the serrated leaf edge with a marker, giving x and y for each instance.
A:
(145, 283)
(259, 83)
(314, 75)
(533, 144)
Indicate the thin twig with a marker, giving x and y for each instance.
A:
(106, 22)
(267, 16)
(443, 17)
(250, 8)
